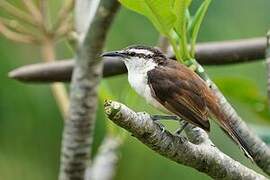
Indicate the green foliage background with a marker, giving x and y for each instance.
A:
(30, 123)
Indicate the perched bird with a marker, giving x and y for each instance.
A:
(174, 88)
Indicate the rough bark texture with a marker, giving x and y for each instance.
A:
(78, 129)
(204, 157)
(211, 53)
(105, 163)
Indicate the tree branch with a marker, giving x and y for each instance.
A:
(78, 129)
(204, 157)
(105, 163)
(61, 71)
(212, 53)
(260, 151)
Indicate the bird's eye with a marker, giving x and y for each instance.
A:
(132, 53)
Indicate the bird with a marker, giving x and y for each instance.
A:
(174, 89)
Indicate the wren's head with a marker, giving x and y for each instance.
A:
(139, 57)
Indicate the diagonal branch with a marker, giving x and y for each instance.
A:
(256, 148)
(78, 129)
(260, 152)
(204, 157)
(211, 53)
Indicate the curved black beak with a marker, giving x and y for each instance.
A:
(113, 54)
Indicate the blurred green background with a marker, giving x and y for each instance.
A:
(30, 123)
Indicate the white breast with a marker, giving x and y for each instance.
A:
(137, 77)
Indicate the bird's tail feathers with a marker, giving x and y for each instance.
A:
(230, 128)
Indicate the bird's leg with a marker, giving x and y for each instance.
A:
(162, 127)
(179, 130)
(164, 117)
(157, 118)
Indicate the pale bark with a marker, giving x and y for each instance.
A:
(204, 157)
(78, 129)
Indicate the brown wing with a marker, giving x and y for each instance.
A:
(173, 86)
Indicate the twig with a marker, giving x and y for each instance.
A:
(64, 13)
(15, 36)
(58, 89)
(18, 27)
(17, 13)
(46, 26)
(204, 157)
(228, 52)
(78, 129)
(65, 27)
(105, 162)
(163, 44)
(34, 11)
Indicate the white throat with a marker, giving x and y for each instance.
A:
(137, 73)
(137, 77)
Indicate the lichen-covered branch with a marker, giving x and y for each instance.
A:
(203, 157)
(197, 135)
(105, 162)
(78, 129)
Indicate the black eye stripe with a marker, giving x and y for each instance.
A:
(139, 55)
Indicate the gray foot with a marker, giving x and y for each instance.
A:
(180, 130)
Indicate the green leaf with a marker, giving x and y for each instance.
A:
(159, 12)
(180, 9)
(196, 24)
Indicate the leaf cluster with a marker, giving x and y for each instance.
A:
(172, 19)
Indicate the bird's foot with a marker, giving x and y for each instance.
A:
(161, 126)
(180, 130)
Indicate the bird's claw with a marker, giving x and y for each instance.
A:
(180, 130)
(161, 126)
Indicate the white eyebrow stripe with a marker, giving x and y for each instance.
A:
(141, 51)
